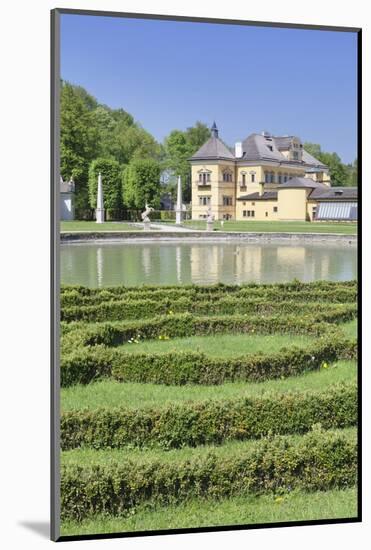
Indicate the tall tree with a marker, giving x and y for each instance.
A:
(340, 173)
(141, 183)
(79, 141)
(179, 147)
(111, 181)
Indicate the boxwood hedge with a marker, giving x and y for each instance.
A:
(90, 363)
(316, 461)
(210, 421)
(229, 305)
(332, 292)
(185, 324)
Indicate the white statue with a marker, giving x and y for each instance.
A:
(145, 214)
(210, 217)
(209, 220)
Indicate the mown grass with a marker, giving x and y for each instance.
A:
(93, 226)
(278, 226)
(247, 510)
(350, 329)
(110, 393)
(86, 456)
(223, 345)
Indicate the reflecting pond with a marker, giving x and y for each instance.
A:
(165, 263)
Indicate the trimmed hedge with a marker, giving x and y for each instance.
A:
(185, 324)
(85, 365)
(121, 310)
(329, 292)
(316, 461)
(211, 421)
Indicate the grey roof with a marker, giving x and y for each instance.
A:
(214, 148)
(67, 187)
(283, 142)
(319, 192)
(256, 147)
(303, 183)
(309, 159)
(266, 196)
(337, 193)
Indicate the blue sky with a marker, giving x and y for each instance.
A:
(170, 74)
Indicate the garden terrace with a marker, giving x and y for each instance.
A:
(182, 398)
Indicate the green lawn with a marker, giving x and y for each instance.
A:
(295, 506)
(277, 226)
(93, 226)
(350, 329)
(110, 393)
(252, 226)
(223, 345)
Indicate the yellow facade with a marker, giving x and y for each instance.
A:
(221, 180)
(292, 204)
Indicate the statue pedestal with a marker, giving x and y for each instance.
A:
(209, 226)
(147, 225)
(178, 217)
(99, 215)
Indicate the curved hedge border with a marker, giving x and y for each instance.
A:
(316, 461)
(212, 421)
(176, 368)
(185, 324)
(329, 292)
(230, 305)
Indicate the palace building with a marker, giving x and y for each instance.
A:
(265, 177)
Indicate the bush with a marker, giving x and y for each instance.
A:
(185, 324)
(314, 292)
(140, 309)
(84, 365)
(316, 461)
(111, 182)
(212, 421)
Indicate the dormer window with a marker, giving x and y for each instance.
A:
(270, 147)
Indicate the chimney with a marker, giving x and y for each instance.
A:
(238, 149)
(261, 189)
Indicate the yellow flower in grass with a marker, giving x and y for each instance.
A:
(324, 365)
(278, 500)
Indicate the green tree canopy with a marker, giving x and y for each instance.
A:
(179, 147)
(90, 130)
(340, 174)
(141, 183)
(111, 182)
(79, 140)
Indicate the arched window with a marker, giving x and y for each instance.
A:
(204, 177)
(227, 175)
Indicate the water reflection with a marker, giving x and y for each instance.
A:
(204, 263)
